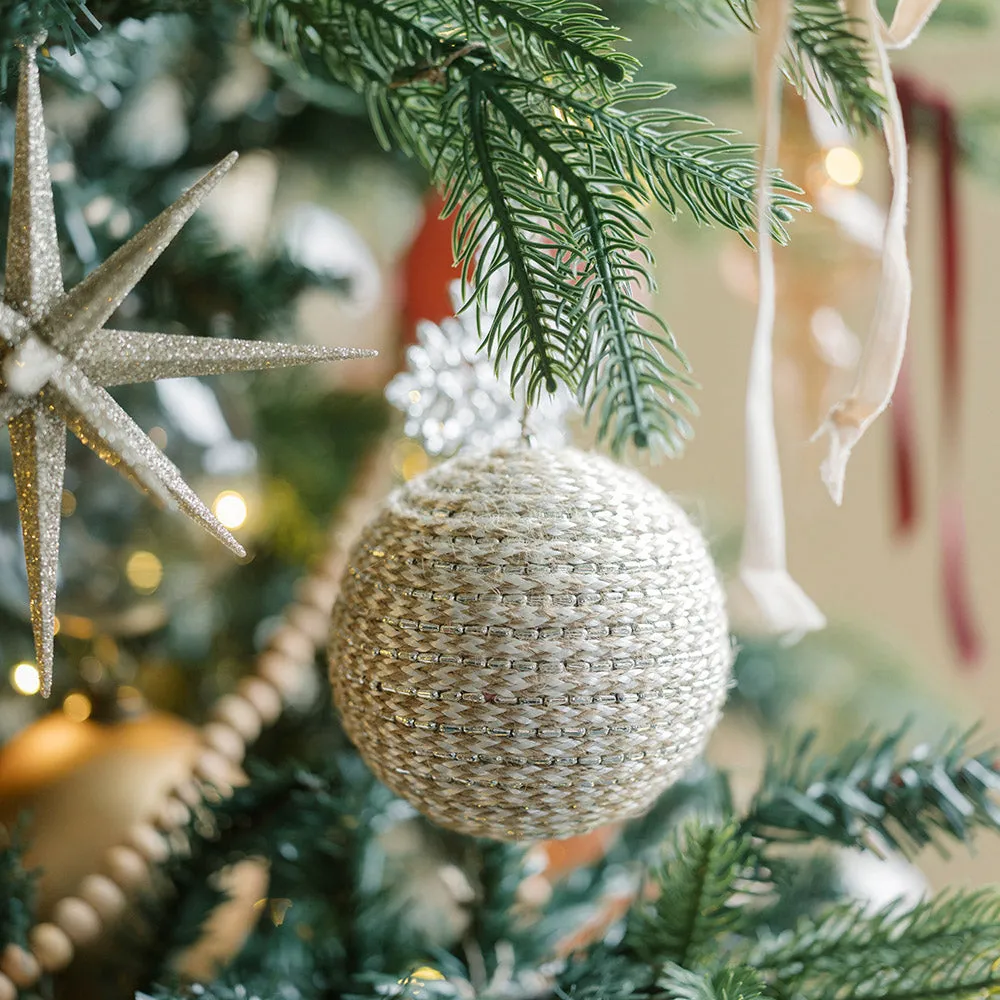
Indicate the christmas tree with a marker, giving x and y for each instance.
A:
(439, 731)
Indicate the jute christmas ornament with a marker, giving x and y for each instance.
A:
(529, 643)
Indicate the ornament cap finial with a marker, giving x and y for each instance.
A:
(29, 46)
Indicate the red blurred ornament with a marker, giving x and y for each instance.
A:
(427, 271)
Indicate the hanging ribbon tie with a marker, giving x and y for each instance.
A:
(917, 101)
(765, 598)
(884, 350)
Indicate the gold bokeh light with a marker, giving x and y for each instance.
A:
(843, 166)
(231, 509)
(77, 706)
(26, 678)
(144, 571)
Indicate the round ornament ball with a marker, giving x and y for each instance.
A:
(117, 765)
(530, 643)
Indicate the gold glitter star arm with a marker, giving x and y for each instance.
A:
(38, 447)
(101, 424)
(84, 310)
(34, 270)
(119, 357)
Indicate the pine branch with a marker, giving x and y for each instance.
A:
(525, 117)
(543, 34)
(945, 947)
(71, 22)
(827, 54)
(872, 794)
(829, 57)
(17, 887)
(733, 983)
(695, 905)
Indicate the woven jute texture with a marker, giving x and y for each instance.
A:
(529, 643)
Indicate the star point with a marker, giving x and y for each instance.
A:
(58, 357)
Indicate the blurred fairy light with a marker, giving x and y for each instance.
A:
(843, 166)
(26, 678)
(409, 459)
(230, 508)
(77, 706)
(424, 974)
(144, 571)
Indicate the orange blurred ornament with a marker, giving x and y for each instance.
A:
(87, 783)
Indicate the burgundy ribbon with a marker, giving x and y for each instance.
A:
(964, 632)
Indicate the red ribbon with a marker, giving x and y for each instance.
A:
(965, 634)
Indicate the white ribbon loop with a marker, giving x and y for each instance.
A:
(883, 353)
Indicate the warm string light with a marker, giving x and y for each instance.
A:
(423, 974)
(843, 166)
(77, 706)
(409, 459)
(144, 571)
(231, 509)
(26, 678)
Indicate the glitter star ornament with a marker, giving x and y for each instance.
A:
(57, 359)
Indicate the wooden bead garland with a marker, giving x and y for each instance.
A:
(51, 946)
(19, 965)
(80, 921)
(104, 895)
(101, 899)
(530, 643)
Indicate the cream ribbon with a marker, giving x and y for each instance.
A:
(765, 598)
(883, 353)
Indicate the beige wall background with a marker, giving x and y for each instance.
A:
(847, 558)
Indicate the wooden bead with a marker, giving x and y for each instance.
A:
(224, 740)
(264, 697)
(8, 991)
(214, 769)
(281, 671)
(78, 919)
(150, 844)
(19, 966)
(237, 713)
(172, 814)
(188, 793)
(311, 622)
(50, 946)
(296, 645)
(318, 592)
(127, 867)
(104, 895)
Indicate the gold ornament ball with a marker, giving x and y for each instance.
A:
(66, 773)
(530, 643)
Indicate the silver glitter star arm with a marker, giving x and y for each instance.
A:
(13, 325)
(11, 405)
(83, 311)
(101, 424)
(119, 357)
(34, 270)
(38, 448)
